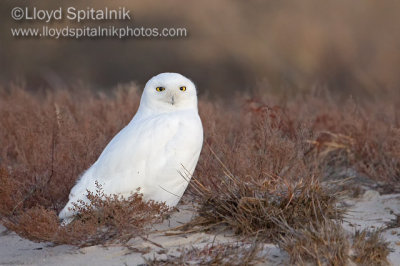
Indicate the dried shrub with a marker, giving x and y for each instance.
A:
(252, 206)
(370, 249)
(366, 138)
(324, 243)
(36, 223)
(48, 139)
(257, 170)
(11, 195)
(122, 217)
(104, 218)
(255, 141)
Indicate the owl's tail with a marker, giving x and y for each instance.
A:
(67, 214)
(77, 194)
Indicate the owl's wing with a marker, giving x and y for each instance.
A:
(125, 156)
(149, 154)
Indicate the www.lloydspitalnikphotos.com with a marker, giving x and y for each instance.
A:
(70, 13)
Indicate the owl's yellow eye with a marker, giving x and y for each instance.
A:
(160, 88)
(183, 88)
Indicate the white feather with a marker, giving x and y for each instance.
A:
(161, 143)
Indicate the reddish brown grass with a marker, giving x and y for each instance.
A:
(270, 148)
(50, 139)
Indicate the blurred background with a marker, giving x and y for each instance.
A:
(348, 47)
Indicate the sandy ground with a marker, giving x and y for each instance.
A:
(374, 211)
(371, 211)
(15, 250)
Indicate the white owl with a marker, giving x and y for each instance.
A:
(160, 144)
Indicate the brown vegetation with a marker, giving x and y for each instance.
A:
(263, 168)
(324, 243)
(251, 207)
(370, 248)
(47, 142)
(104, 218)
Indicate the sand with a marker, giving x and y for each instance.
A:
(373, 211)
(370, 211)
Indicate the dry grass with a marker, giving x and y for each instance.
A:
(264, 163)
(50, 139)
(253, 207)
(363, 138)
(324, 243)
(370, 249)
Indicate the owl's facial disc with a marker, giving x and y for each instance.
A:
(172, 95)
(169, 92)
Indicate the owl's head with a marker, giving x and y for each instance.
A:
(169, 92)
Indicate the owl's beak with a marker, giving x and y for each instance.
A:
(172, 100)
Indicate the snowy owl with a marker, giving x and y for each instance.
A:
(160, 144)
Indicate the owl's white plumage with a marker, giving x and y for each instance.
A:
(160, 144)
